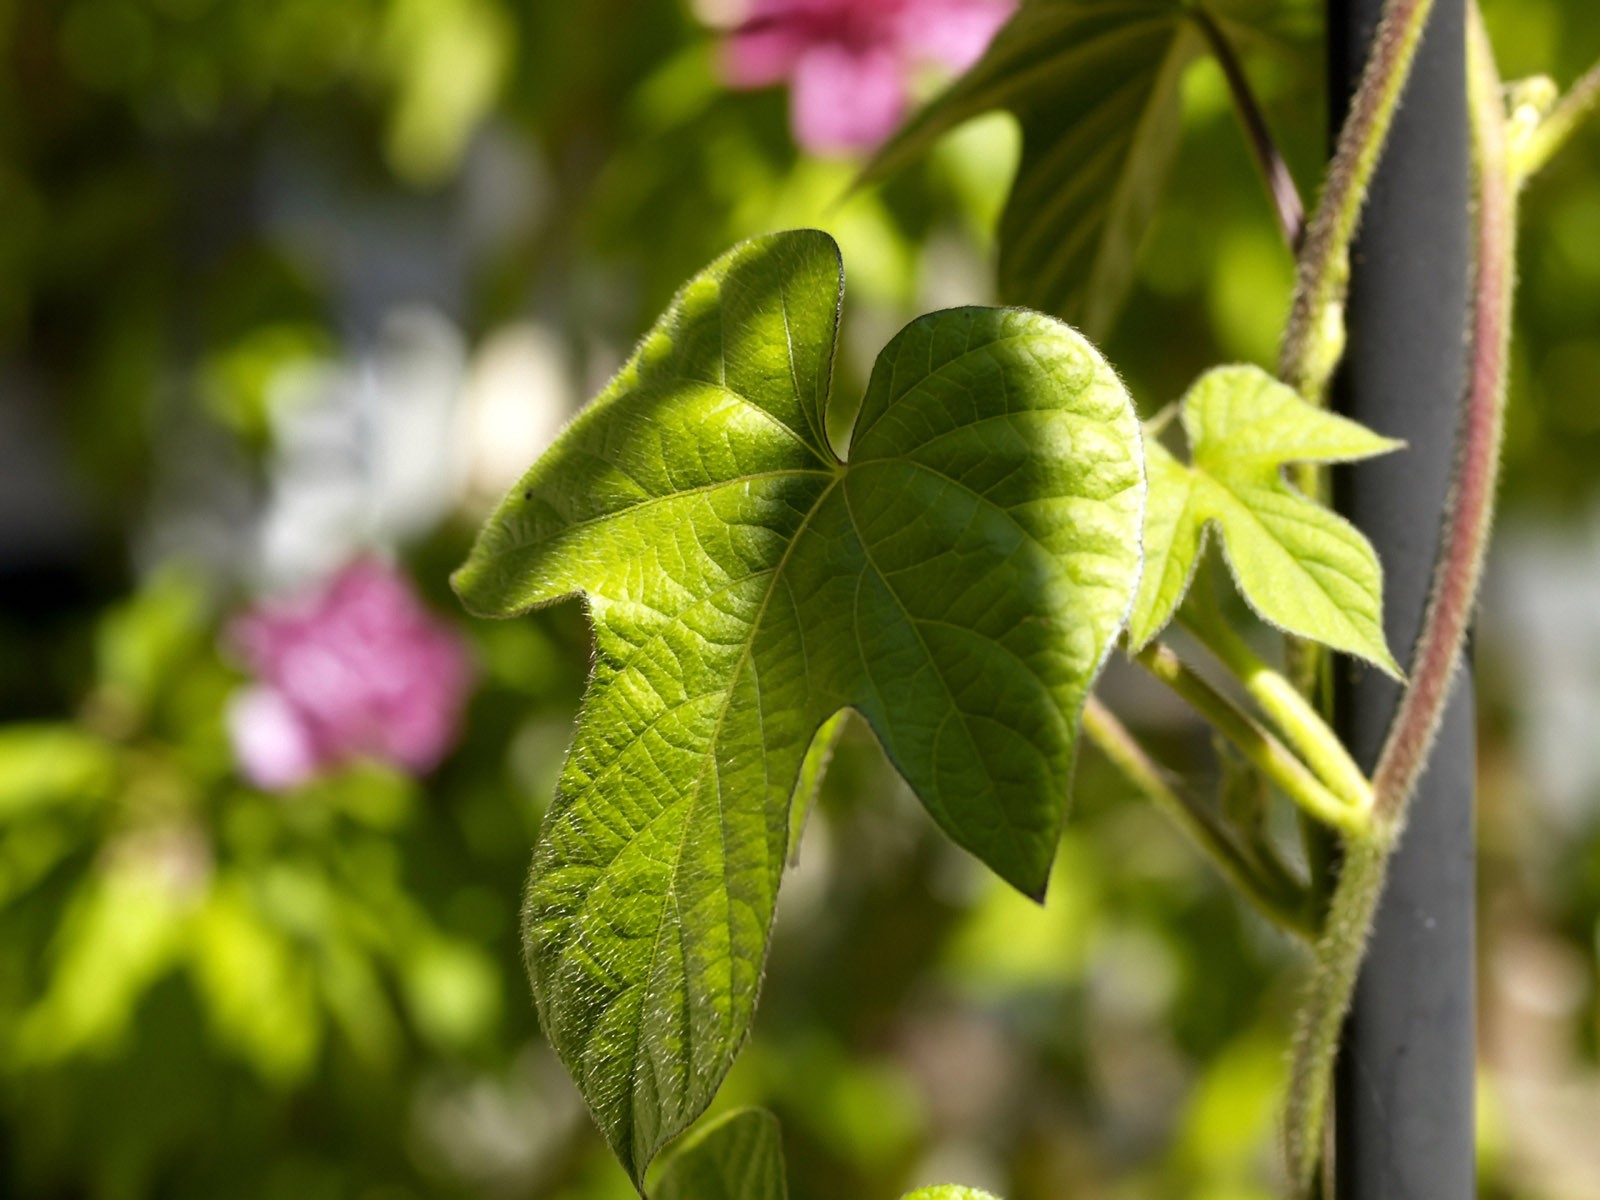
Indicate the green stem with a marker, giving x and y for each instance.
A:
(1285, 706)
(1274, 760)
(1336, 964)
(1557, 128)
(1314, 339)
(1286, 202)
(1265, 882)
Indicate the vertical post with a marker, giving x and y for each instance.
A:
(1404, 1084)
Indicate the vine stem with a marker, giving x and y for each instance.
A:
(1266, 883)
(1438, 650)
(1558, 125)
(1286, 202)
(1271, 756)
(1336, 965)
(1314, 337)
(1470, 512)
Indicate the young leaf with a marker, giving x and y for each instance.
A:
(1301, 567)
(738, 1157)
(1094, 84)
(958, 582)
(949, 1191)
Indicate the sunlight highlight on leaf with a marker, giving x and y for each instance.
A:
(958, 582)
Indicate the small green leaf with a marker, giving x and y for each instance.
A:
(1301, 567)
(949, 1191)
(1095, 86)
(738, 1157)
(959, 583)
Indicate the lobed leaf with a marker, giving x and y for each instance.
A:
(739, 1157)
(1301, 567)
(958, 582)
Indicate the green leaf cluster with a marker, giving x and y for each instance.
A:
(1301, 567)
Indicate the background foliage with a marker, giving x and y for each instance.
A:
(286, 281)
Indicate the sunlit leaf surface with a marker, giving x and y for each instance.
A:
(958, 582)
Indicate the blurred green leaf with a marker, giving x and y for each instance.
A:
(48, 766)
(1095, 85)
(738, 1157)
(237, 380)
(257, 989)
(143, 643)
(123, 931)
(447, 60)
(959, 582)
(453, 992)
(1301, 567)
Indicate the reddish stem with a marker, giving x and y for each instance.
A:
(1470, 513)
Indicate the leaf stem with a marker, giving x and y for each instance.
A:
(1262, 879)
(1286, 202)
(1271, 756)
(1285, 706)
(1314, 338)
(1557, 128)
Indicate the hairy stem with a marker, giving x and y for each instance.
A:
(1558, 125)
(1470, 511)
(1265, 883)
(1314, 338)
(1275, 761)
(1336, 964)
(1438, 649)
(1286, 202)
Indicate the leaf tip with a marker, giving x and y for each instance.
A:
(1037, 892)
(1390, 667)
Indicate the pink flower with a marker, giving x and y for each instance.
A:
(356, 669)
(848, 61)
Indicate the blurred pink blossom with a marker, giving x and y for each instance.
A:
(848, 61)
(355, 669)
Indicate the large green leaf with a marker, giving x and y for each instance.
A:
(958, 583)
(1095, 86)
(739, 1157)
(1301, 567)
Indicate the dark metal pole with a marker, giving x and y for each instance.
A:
(1404, 1088)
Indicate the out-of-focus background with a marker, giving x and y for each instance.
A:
(290, 291)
